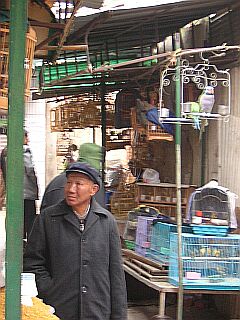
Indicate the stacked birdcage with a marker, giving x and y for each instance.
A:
(4, 61)
(143, 235)
(210, 211)
(160, 241)
(209, 262)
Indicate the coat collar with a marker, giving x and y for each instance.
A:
(63, 208)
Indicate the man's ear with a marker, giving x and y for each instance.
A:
(95, 189)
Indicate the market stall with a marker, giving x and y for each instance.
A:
(186, 73)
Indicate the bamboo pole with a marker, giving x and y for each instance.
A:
(77, 47)
(166, 55)
(178, 181)
(14, 216)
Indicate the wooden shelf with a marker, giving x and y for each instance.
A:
(117, 144)
(161, 202)
(163, 196)
(164, 185)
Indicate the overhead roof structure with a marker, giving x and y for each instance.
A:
(96, 4)
(114, 37)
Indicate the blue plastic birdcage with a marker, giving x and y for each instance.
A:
(209, 262)
(143, 251)
(160, 242)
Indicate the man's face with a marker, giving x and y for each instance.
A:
(79, 189)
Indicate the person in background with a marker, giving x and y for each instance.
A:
(74, 251)
(30, 184)
(71, 155)
(54, 192)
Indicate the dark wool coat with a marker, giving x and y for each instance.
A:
(79, 274)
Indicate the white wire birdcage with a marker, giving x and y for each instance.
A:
(211, 205)
(199, 76)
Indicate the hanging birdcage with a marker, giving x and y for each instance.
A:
(4, 61)
(155, 132)
(76, 114)
(149, 131)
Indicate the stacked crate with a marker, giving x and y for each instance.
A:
(209, 262)
(143, 235)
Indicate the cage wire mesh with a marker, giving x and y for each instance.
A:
(209, 262)
(213, 203)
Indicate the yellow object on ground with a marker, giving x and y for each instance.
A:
(39, 310)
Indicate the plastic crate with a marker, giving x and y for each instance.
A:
(209, 262)
(160, 241)
(210, 230)
(129, 244)
(144, 231)
(142, 251)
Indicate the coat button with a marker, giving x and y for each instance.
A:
(85, 263)
(84, 289)
(83, 240)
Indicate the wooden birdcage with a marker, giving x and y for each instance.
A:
(75, 114)
(155, 132)
(124, 198)
(150, 131)
(55, 119)
(4, 62)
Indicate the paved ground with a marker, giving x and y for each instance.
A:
(147, 312)
(194, 309)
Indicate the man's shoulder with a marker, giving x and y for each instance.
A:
(96, 207)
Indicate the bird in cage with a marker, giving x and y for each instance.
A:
(206, 100)
(206, 103)
(195, 108)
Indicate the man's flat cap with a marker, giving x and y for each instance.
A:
(84, 168)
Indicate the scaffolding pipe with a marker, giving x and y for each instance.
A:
(178, 180)
(14, 183)
(104, 127)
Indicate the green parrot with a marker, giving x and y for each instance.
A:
(195, 108)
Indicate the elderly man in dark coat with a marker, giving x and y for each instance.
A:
(74, 251)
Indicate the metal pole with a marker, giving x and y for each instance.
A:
(203, 159)
(14, 181)
(103, 113)
(178, 180)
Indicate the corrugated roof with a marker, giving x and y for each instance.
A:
(95, 4)
(121, 35)
(129, 27)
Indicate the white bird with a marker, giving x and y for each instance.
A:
(206, 100)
